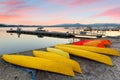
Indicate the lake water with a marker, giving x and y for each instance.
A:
(11, 43)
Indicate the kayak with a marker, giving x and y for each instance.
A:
(81, 42)
(89, 43)
(97, 43)
(58, 58)
(105, 42)
(107, 51)
(59, 52)
(87, 54)
(39, 63)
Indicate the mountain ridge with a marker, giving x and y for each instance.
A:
(67, 25)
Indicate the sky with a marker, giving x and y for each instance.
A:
(52, 12)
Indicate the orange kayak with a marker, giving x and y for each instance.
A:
(105, 42)
(94, 43)
(97, 43)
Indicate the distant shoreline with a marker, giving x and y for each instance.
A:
(67, 25)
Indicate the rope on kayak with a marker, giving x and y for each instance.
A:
(29, 71)
(26, 70)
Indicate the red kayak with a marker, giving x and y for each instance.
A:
(81, 42)
(97, 43)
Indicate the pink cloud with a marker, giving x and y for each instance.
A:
(113, 13)
(64, 2)
(21, 16)
(9, 18)
(12, 5)
(13, 10)
(12, 2)
(58, 21)
(83, 2)
(75, 2)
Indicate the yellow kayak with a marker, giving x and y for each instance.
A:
(87, 54)
(55, 57)
(39, 63)
(107, 51)
(59, 52)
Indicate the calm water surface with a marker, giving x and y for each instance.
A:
(11, 43)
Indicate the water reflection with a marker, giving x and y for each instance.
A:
(41, 33)
(12, 43)
(19, 35)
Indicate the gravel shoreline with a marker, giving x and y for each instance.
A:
(91, 70)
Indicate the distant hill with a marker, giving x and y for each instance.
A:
(5, 25)
(89, 25)
(70, 25)
(106, 24)
(67, 25)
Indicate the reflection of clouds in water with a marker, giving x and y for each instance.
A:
(11, 43)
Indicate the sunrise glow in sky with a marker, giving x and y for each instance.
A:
(50, 12)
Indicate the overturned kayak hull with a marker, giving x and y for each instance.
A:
(39, 63)
(87, 54)
(107, 51)
(55, 57)
(97, 43)
(59, 52)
